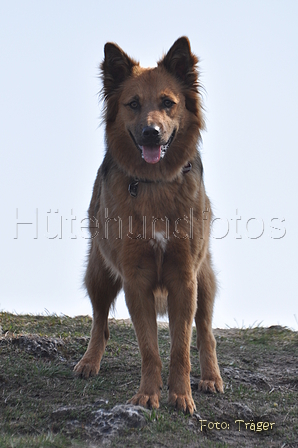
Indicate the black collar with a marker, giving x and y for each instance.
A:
(133, 186)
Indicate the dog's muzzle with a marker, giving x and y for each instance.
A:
(152, 152)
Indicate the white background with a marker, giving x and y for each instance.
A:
(52, 145)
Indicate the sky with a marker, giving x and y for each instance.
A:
(51, 145)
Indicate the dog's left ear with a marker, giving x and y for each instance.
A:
(181, 62)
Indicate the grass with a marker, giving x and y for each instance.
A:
(43, 404)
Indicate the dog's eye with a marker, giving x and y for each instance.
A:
(134, 104)
(167, 103)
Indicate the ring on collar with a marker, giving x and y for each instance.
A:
(133, 186)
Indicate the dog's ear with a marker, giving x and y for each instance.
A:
(115, 68)
(181, 62)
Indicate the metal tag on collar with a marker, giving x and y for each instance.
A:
(133, 188)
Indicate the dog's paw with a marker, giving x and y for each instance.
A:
(211, 386)
(147, 401)
(182, 402)
(86, 368)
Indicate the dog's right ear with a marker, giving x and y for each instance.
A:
(115, 68)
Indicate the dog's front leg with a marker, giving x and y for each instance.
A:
(182, 307)
(141, 306)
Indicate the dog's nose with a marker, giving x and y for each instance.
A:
(151, 131)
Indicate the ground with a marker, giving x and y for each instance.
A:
(42, 403)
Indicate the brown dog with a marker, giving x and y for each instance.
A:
(150, 221)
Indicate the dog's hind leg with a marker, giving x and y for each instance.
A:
(141, 305)
(211, 380)
(103, 289)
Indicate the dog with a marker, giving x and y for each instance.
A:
(150, 220)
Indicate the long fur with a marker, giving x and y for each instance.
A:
(154, 245)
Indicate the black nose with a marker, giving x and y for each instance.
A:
(151, 132)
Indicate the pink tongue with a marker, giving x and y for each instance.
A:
(151, 153)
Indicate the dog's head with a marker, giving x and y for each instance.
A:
(153, 116)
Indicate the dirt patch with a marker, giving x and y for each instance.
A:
(43, 404)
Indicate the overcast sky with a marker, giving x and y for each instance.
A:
(52, 144)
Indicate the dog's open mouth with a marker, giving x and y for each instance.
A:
(153, 153)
